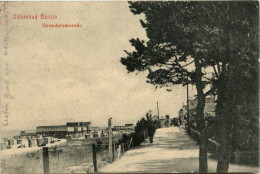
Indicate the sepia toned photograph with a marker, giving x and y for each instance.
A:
(129, 87)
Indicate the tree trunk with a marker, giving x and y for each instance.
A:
(224, 120)
(203, 159)
(224, 151)
(203, 163)
(222, 112)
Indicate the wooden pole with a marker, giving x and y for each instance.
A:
(110, 148)
(119, 151)
(114, 150)
(159, 125)
(94, 158)
(188, 107)
(123, 148)
(46, 167)
(130, 143)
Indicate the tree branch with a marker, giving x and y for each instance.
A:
(177, 63)
(210, 91)
(188, 63)
(218, 67)
(217, 75)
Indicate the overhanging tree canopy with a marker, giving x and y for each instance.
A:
(206, 34)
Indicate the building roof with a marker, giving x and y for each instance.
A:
(78, 123)
(85, 123)
(51, 126)
(72, 124)
(130, 124)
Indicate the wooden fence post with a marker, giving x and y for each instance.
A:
(110, 140)
(123, 148)
(119, 151)
(46, 167)
(94, 157)
(114, 150)
(130, 143)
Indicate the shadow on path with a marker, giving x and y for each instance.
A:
(172, 151)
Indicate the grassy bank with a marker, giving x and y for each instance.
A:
(62, 158)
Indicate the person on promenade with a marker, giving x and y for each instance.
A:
(151, 131)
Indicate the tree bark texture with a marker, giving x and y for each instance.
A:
(203, 162)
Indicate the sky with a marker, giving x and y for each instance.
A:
(57, 75)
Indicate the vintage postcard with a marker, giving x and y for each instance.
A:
(129, 87)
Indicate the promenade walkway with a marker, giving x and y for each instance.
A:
(172, 151)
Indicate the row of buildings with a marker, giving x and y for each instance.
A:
(209, 110)
(75, 129)
(50, 134)
(162, 121)
(78, 129)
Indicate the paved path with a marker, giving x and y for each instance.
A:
(172, 151)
